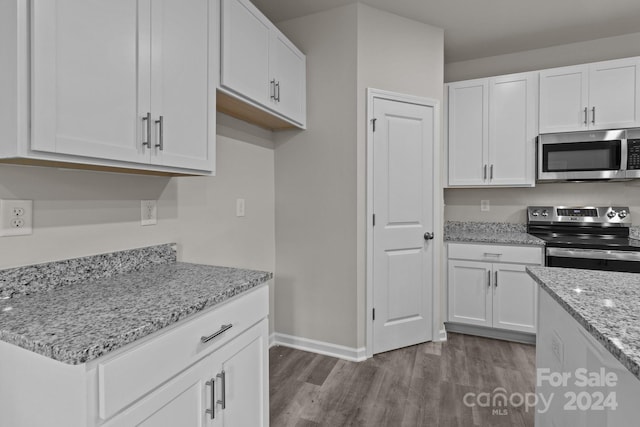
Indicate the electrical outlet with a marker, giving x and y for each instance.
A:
(16, 217)
(148, 212)
(485, 206)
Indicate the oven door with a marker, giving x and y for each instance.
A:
(582, 156)
(594, 259)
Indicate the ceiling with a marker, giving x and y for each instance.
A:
(481, 28)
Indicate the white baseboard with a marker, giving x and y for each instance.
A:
(443, 335)
(341, 352)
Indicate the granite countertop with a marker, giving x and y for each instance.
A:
(607, 305)
(81, 321)
(489, 232)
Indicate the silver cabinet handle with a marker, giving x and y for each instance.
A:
(147, 119)
(484, 175)
(278, 91)
(222, 402)
(495, 280)
(273, 89)
(160, 143)
(489, 279)
(428, 236)
(593, 115)
(585, 116)
(212, 411)
(488, 254)
(221, 331)
(491, 172)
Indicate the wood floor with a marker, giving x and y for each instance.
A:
(422, 385)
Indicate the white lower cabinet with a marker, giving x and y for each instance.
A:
(171, 378)
(228, 388)
(488, 286)
(565, 348)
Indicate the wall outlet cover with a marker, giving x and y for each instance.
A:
(148, 212)
(16, 217)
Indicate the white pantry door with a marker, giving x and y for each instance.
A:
(403, 253)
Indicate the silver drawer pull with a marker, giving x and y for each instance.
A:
(222, 330)
(487, 254)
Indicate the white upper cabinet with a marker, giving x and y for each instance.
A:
(492, 125)
(288, 70)
(183, 84)
(88, 94)
(602, 95)
(245, 51)
(260, 67)
(119, 84)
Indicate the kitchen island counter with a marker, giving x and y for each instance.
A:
(605, 303)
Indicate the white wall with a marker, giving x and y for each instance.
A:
(509, 204)
(320, 173)
(79, 213)
(537, 59)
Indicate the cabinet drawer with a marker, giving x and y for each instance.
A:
(496, 253)
(128, 376)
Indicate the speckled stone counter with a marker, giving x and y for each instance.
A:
(79, 322)
(607, 305)
(489, 232)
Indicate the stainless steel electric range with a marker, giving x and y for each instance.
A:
(594, 238)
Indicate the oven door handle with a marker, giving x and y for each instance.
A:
(593, 254)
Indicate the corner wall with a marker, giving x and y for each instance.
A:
(321, 172)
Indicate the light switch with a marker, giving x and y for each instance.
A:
(239, 207)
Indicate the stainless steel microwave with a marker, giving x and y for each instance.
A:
(590, 155)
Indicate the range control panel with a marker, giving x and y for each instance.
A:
(579, 214)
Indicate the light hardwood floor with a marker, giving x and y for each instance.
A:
(422, 385)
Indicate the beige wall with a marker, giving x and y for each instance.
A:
(79, 213)
(509, 204)
(399, 55)
(316, 191)
(320, 173)
(537, 59)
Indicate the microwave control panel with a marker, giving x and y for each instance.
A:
(633, 154)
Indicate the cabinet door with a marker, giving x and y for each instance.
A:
(512, 129)
(468, 132)
(180, 402)
(564, 99)
(90, 70)
(245, 387)
(614, 94)
(183, 83)
(245, 50)
(515, 298)
(288, 69)
(470, 292)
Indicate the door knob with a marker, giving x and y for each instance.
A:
(428, 236)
